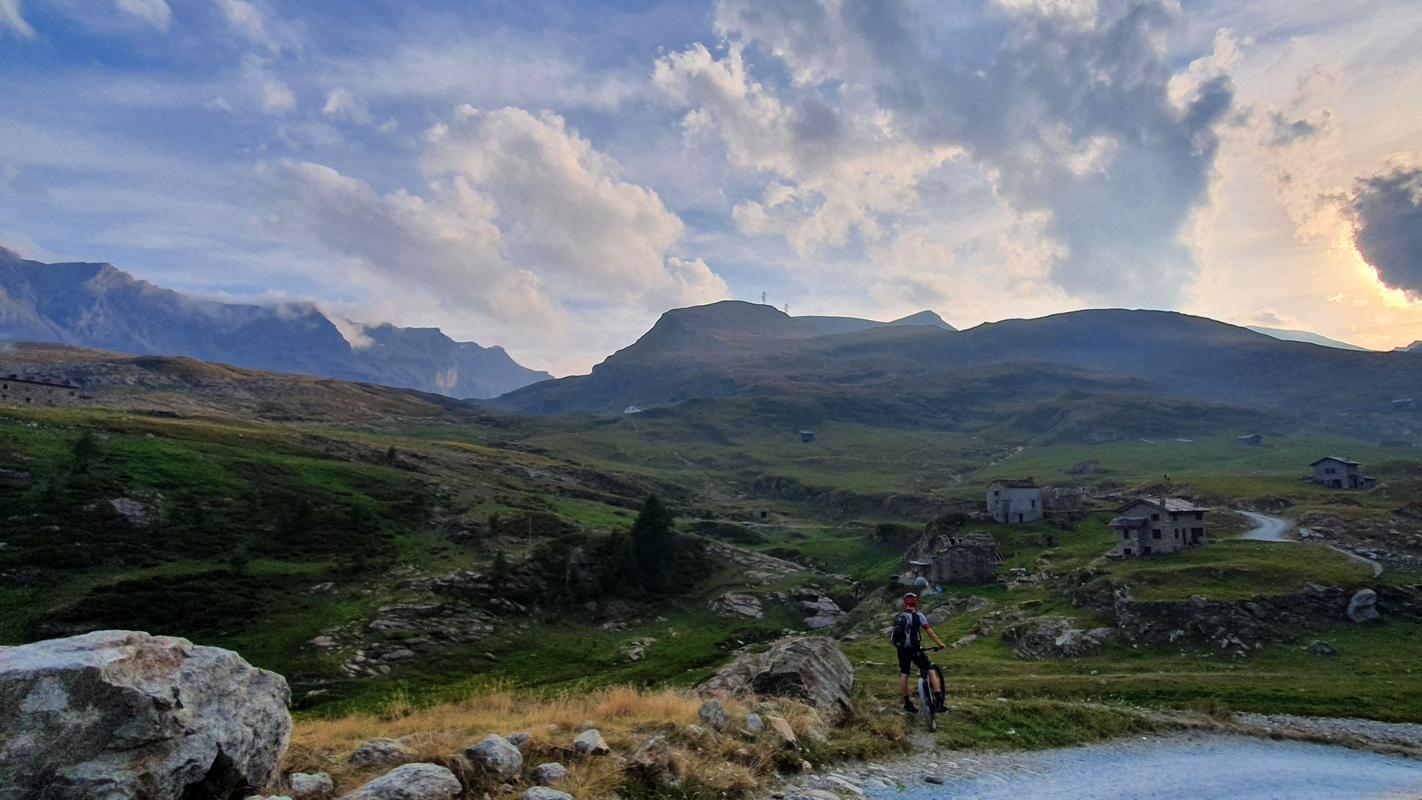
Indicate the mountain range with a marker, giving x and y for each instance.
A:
(99, 306)
(930, 374)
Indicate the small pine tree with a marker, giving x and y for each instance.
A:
(83, 452)
(391, 457)
(651, 543)
(500, 572)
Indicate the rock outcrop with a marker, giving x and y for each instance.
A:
(410, 782)
(124, 714)
(809, 668)
(1055, 637)
(737, 604)
(382, 751)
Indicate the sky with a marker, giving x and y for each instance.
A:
(550, 177)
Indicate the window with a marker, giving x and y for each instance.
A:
(1199, 515)
(1145, 551)
(1034, 503)
(1155, 518)
(995, 493)
(1125, 551)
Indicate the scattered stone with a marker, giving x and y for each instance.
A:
(544, 793)
(840, 785)
(782, 729)
(714, 714)
(323, 641)
(1321, 648)
(654, 759)
(590, 742)
(549, 774)
(496, 758)
(754, 724)
(934, 779)
(735, 604)
(809, 668)
(821, 612)
(382, 751)
(126, 714)
(1363, 606)
(586, 725)
(410, 782)
(520, 740)
(133, 512)
(637, 650)
(310, 784)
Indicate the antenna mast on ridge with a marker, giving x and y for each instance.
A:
(762, 298)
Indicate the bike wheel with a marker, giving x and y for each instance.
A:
(925, 697)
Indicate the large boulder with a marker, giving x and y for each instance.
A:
(549, 774)
(808, 668)
(496, 757)
(410, 782)
(1362, 606)
(124, 714)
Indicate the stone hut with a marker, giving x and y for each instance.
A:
(1341, 473)
(1149, 526)
(807, 436)
(1014, 501)
(18, 391)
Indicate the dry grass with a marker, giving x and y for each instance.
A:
(731, 764)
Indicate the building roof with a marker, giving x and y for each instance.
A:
(1336, 458)
(1017, 483)
(37, 382)
(1171, 504)
(1127, 522)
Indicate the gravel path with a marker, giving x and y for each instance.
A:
(1175, 767)
(1400, 735)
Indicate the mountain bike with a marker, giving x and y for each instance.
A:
(929, 701)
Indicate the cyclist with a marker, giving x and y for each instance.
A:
(907, 640)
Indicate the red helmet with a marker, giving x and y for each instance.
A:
(910, 599)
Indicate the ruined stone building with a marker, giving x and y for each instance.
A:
(1341, 473)
(18, 391)
(1150, 526)
(953, 558)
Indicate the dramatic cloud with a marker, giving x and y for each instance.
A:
(1070, 109)
(1387, 214)
(522, 221)
(12, 19)
(154, 12)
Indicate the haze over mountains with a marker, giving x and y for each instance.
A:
(99, 306)
(930, 374)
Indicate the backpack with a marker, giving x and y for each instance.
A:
(905, 635)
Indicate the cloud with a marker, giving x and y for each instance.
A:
(13, 18)
(1387, 227)
(268, 92)
(248, 19)
(521, 223)
(1069, 109)
(154, 12)
(341, 104)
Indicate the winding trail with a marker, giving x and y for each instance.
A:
(1269, 528)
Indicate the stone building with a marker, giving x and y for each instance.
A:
(1150, 526)
(952, 558)
(1340, 473)
(18, 391)
(1014, 501)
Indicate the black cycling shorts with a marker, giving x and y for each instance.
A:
(910, 657)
